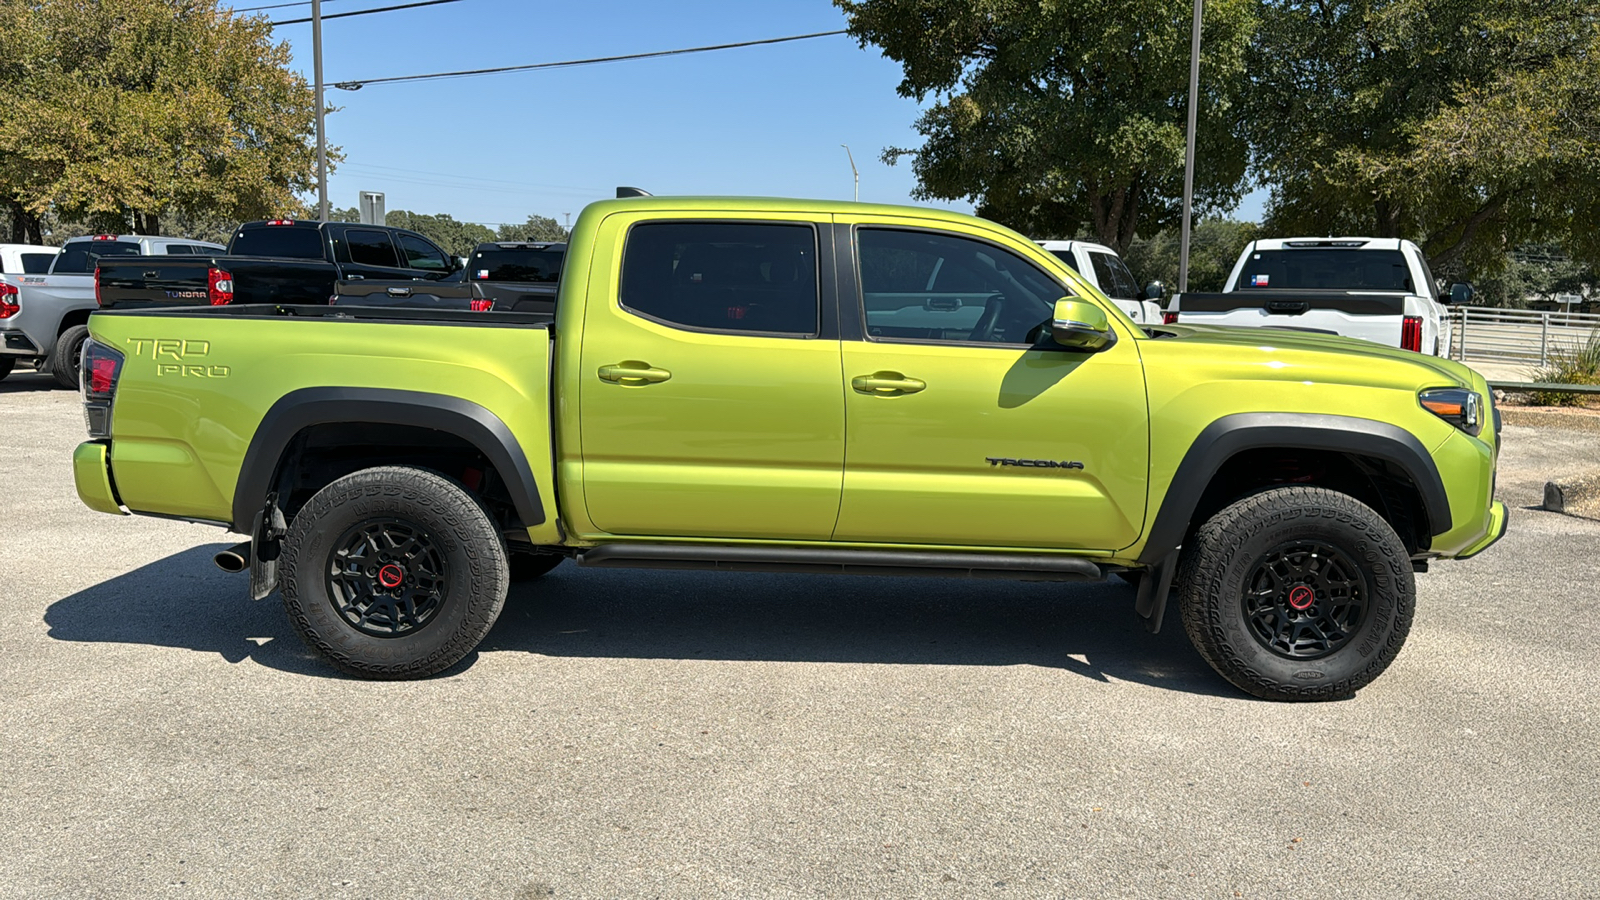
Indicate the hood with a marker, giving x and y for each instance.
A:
(1354, 350)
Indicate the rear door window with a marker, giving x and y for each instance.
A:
(723, 276)
(37, 263)
(280, 241)
(81, 257)
(371, 248)
(1115, 279)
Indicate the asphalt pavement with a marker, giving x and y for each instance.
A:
(653, 734)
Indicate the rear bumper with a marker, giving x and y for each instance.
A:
(91, 474)
(15, 343)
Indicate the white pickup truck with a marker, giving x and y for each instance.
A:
(44, 317)
(1379, 289)
(1105, 270)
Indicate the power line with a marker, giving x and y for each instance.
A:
(364, 12)
(280, 5)
(358, 85)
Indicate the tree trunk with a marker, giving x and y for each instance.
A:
(146, 223)
(1388, 219)
(26, 228)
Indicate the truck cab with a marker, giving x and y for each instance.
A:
(1102, 267)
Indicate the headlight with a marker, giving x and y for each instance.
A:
(1458, 406)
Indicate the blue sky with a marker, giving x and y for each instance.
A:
(492, 149)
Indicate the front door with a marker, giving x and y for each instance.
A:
(711, 401)
(963, 430)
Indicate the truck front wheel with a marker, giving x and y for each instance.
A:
(393, 573)
(1297, 593)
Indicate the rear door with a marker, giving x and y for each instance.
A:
(961, 432)
(710, 396)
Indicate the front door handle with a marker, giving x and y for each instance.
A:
(887, 383)
(633, 372)
(399, 292)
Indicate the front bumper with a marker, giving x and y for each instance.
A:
(91, 474)
(1499, 518)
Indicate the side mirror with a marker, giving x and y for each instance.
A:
(1155, 290)
(1461, 293)
(1080, 325)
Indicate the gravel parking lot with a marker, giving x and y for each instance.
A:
(647, 734)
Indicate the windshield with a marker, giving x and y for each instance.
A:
(1326, 269)
(81, 257)
(284, 241)
(534, 266)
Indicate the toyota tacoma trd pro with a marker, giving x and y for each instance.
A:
(767, 385)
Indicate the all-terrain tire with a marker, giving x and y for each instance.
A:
(1242, 579)
(64, 364)
(528, 566)
(6, 365)
(418, 528)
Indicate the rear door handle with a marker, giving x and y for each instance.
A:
(887, 383)
(633, 372)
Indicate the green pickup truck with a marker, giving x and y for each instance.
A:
(800, 386)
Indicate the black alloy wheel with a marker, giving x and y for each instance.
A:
(386, 577)
(1304, 600)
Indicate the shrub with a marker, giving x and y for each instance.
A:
(1569, 365)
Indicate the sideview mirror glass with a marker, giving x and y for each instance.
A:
(1155, 290)
(1461, 293)
(1080, 325)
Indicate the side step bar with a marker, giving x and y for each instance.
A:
(743, 558)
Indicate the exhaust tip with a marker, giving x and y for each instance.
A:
(234, 559)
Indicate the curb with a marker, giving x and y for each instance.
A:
(1544, 417)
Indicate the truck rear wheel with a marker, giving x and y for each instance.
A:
(64, 364)
(393, 573)
(1297, 593)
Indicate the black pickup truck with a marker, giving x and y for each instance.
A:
(283, 261)
(509, 276)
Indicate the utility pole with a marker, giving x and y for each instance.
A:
(569, 223)
(853, 170)
(322, 137)
(1188, 154)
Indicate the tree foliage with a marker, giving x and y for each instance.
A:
(537, 228)
(1214, 247)
(120, 112)
(1061, 115)
(1470, 126)
(459, 238)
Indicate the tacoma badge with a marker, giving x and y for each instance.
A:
(1034, 463)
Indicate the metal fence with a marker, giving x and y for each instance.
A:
(1517, 335)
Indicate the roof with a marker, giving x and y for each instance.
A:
(774, 204)
(1367, 243)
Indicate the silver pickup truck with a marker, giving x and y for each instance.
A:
(46, 315)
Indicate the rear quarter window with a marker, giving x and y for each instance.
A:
(723, 276)
(37, 263)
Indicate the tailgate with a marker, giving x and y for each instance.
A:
(134, 281)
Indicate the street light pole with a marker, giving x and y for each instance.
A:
(853, 170)
(322, 137)
(1188, 155)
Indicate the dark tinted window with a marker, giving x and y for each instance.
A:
(422, 255)
(529, 266)
(284, 241)
(1114, 277)
(37, 263)
(1068, 257)
(371, 248)
(181, 250)
(723, 275)
(80, 257)
(924, 286)
(1326, 269)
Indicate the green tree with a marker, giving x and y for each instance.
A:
(1063, 115)
(120, 112)
(1214, 247)
(1470, 126)
(456, 238)
(537, 228)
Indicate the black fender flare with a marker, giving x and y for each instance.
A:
(298, 410)
(1233, 434)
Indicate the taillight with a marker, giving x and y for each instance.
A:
(97, 300)
(105, 237)
(8, 301)
(102, 366)
(219, 286)
(1411, 333)
(481, 305)
(1169, 318)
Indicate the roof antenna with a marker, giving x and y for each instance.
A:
(631, 192)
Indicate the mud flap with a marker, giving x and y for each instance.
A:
(267, 539)
(1151, 604)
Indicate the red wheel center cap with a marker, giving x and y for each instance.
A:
(391, 575)
(1301, 597)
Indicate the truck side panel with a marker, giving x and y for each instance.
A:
(195, 389)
